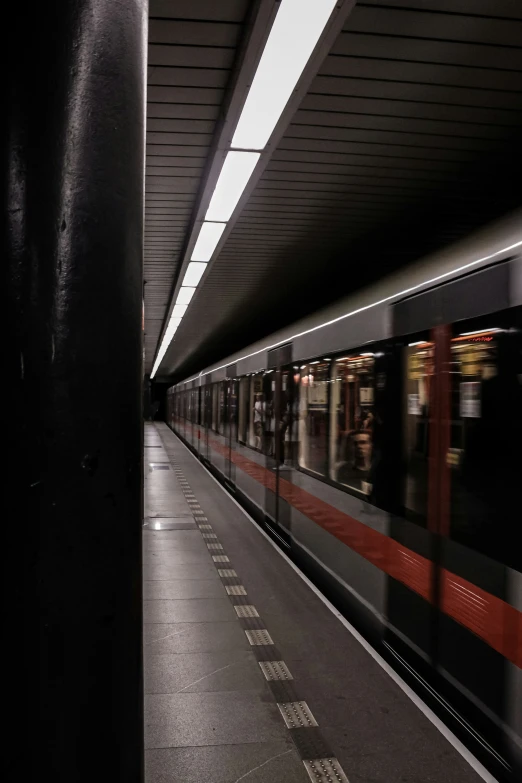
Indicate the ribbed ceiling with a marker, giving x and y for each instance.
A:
(407, 139)
(192, 49)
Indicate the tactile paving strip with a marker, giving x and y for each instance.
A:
(320, 764)
(235, 590)
(246, 611)
(275, 670)
(259, 637)
(325, 771)
(297, 714)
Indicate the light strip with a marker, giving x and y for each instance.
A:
(386, 299)
(185, 294)
(208, 237)
(237, 170)
(178, 311)
(294, 35)
(193, 274)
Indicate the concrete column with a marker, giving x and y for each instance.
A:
(73, 183)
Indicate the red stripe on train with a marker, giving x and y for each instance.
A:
(496, 622)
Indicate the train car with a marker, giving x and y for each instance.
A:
(380, 442)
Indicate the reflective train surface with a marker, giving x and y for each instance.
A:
(380, 442)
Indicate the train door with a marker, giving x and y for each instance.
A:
(190, 417)
(286, 445)
(480, 464)
(268, 403)
(448, 594)
(411, 619)
(182, 413)
(277, 385)
(207, 419)
(232, 388)
(198, 420)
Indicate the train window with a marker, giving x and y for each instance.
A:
(351, 421)
(313, 415)
(257, 407)
(485, 456)
(215, 407)
(221, 409)
(232, 410)
(244, 409)
(418, 385)
(267, 411)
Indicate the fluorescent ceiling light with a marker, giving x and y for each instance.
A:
(193, 274)
(293, 37)
(237, 170)
(185, 295)
(179, 310)
(209, 236)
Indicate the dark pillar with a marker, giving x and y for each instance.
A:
(73, 340)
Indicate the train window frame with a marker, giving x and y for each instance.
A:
(378, 348)
(363, 357)
(326, 361)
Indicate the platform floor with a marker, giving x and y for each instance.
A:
(219, 600)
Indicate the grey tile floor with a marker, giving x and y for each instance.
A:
(209, 714)
(209, 717)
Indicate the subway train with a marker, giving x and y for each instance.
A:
(379, 441)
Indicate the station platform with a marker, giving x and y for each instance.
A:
(250, 674)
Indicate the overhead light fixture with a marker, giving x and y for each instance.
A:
(179, 310)
(237, 170)
(208, 237)
(193, 274)
(185, 294)
(293, 37)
